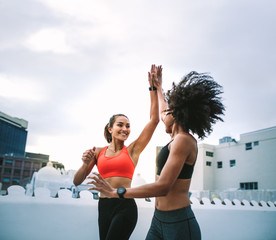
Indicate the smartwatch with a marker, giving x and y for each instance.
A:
(121, 191)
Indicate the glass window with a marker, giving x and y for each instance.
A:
(36, 165)
(18, 163)
(208, 163)
(26, 173)
(6, 180)
(219, 164)
(8, 162)
(256, 143)
(7, 170)
(249, 186)
(16, 172)
(16, 180)
(232, 163)
(27, 164)
(248, 146)
(209, 154)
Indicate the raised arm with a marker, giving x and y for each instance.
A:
(163, 106)
(141, 142)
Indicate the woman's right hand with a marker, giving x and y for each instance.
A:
(88, 155)
(152, 76)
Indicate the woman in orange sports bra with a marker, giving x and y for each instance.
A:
(116, 163)
(191, 107)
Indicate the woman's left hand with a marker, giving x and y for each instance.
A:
(102, 186)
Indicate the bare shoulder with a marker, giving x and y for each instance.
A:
(182, 141)
(98, 150)
(184, 137)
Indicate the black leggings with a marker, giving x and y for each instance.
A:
(177, 224)
(117, 218)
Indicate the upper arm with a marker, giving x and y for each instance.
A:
(93, 161)
(141, 142)
(179, 151)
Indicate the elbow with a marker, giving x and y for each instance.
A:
(155, 119)
(164, 190)
(76, 182)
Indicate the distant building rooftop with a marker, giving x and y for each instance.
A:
(18, 122)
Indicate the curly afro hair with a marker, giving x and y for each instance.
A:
(195, 103)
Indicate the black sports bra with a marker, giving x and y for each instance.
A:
(187, 170)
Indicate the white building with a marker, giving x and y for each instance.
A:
(247, 164)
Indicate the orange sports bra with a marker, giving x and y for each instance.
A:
(117, 166)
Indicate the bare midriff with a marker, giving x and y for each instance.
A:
(116, 182)
(178, 196)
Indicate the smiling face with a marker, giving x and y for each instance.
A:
(120, 129)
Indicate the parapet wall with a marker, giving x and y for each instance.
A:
(43, 217)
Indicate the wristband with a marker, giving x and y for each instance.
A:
(152, 88)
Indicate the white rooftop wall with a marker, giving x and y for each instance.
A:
(30, 218)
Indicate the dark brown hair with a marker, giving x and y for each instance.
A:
(112, 120)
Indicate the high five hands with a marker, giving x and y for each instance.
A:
(155, 76)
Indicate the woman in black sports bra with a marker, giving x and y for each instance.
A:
(190, 107)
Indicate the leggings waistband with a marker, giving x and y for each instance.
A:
(181, 214)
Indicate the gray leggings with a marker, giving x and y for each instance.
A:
(174, 225)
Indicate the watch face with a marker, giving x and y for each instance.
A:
(121, 191)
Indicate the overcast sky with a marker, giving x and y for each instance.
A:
(66, 66)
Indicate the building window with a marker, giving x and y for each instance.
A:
(18, 163)
(6, 180)
(208, 163)
(15, 181)
(219, 164)
(16, 172)
(1, 161)
(8, 162)
(36, 165)
(256, 143)
(27, 164)
(26, 173)
(209, 154)
(248, 146)
(7, 170)
(249, 186)
(232, 163)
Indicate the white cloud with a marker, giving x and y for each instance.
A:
(111, 46)
(49, 40)
(86, 10)
(20, 88)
